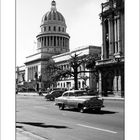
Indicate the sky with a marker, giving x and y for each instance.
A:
(81, 16)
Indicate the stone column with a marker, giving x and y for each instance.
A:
(119, 83)
(118, 30)
(115, 82)
(45, 41)
(28, 75)
(111, 36)
(42, 41)
(59, 41)
(56, 41)
(100, 82)
(67, 43)
(104, 38)
(64, 44)
(53, 41)
(32, 73)
(116, 35)
(49, 41)
(62, 41)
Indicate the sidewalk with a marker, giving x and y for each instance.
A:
(24, 135)
(113, 98)
(36, 94)
(28, 93)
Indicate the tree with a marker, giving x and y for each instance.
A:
(75, 62)
(55, 73)
(49, 73)
(91, 65)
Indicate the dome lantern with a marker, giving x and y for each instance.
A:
(53, 16)
(53, 5)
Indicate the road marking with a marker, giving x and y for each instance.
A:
(105, 130)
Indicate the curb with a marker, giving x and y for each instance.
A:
(28, 94)
(25, 135)
(113, 98)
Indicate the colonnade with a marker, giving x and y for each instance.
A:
(117, 34)
(112, 29)
(117, 83)
(53, 41)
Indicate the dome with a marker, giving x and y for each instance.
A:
(53, 16)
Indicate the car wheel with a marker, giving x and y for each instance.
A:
(81, 108)
(61, 106)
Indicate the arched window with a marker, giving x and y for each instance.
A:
(59, 29)
(44, 29)
(54, 28)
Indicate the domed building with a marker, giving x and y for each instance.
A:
(53, 44)
(52, 40)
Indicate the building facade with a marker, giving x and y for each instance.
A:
(111, 66)
(52, 40)
(85, 79)
(20, 75)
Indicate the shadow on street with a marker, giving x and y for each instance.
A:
(101, 112)
(19, 126)
(42, 125)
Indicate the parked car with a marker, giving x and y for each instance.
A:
(79, 99)
(54, 94)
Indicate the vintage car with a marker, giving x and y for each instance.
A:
(79, 99)
(54, 94)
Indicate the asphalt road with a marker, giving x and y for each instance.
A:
(42, 118)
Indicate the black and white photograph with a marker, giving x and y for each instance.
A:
(71, 84)
(70, 73)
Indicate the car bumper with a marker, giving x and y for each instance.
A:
(93, 107)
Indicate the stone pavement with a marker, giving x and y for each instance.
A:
(25, 135)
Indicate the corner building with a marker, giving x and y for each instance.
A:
(111, 66)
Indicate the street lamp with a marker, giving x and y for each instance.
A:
(117, 59)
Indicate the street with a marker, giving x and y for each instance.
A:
(40, 117)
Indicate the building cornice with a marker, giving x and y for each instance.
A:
(110, 62)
